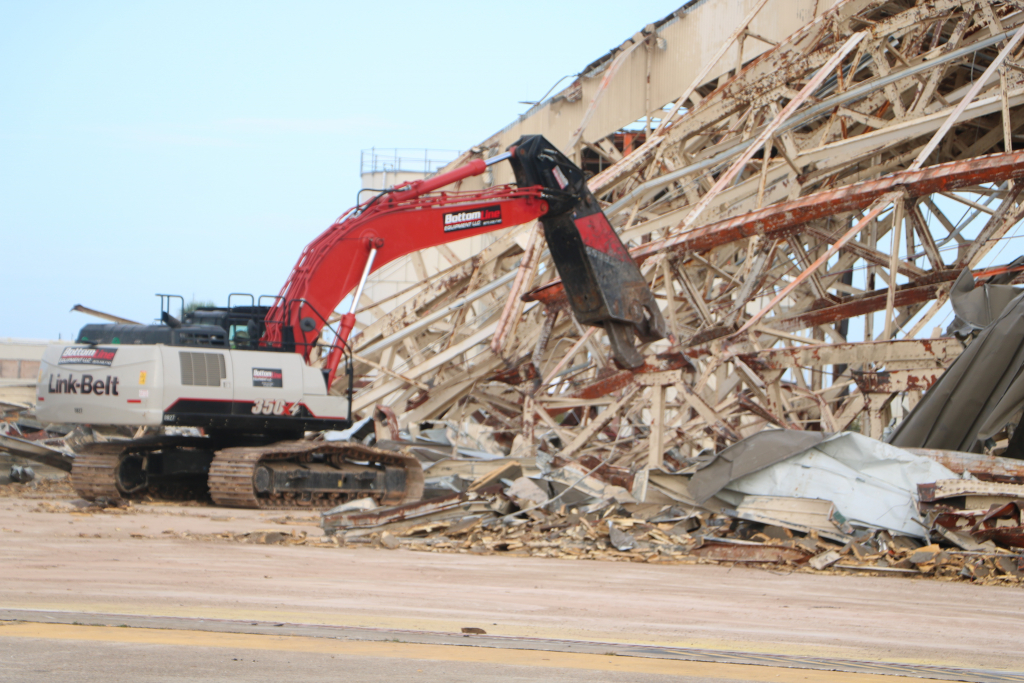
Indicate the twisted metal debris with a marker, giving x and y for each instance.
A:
(800, 220)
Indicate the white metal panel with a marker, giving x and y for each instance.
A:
(274, 382)
(316, 399)
(869, 481)
(131, 385)
(267, 375)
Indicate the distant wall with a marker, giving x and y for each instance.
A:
(19, 368)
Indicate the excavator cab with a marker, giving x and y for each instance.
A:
(232, 327)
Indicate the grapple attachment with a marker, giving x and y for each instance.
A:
(603, 283)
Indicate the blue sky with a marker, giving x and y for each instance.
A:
(195, 148)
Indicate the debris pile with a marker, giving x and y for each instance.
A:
(811, 501)
(22, 437)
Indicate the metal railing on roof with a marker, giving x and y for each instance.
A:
(398, 160)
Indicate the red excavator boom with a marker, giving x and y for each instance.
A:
(408, 218)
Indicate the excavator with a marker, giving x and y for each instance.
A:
(243, 374)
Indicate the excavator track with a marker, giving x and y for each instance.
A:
(234, 471)
(94, 474)
(117, 470)
(96, 471)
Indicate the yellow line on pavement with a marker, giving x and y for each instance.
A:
(293, 617)
(450, 653)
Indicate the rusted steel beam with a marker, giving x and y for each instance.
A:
(786, 218)
(877, 208)
(725, 180)
(1004, 536)
(762, 412)
(862, 305)
(940, 351)
(966, 100)
(826, 312)
(897, 380)
(982, 466)
(871, 255)
(663, 362)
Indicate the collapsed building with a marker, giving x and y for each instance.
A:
(801, 207)
(810, 204)
(820, 200)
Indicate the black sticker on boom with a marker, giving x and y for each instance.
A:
(473, 218)
(267, 377)
(94, 355)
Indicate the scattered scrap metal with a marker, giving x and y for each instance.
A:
(810, 501)
(806, 500)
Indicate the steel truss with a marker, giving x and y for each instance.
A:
(800, 219)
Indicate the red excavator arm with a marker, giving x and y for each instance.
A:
(608, 291)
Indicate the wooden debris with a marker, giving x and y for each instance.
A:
(824, 560)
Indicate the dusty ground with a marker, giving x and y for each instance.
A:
(57, 556)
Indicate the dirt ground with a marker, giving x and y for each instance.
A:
(59, 554)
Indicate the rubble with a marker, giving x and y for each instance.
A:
(40, 487)
(22, 474)
(37, 451)
(735, 440)
(824, 560)
(837, 503)
(523, 516)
